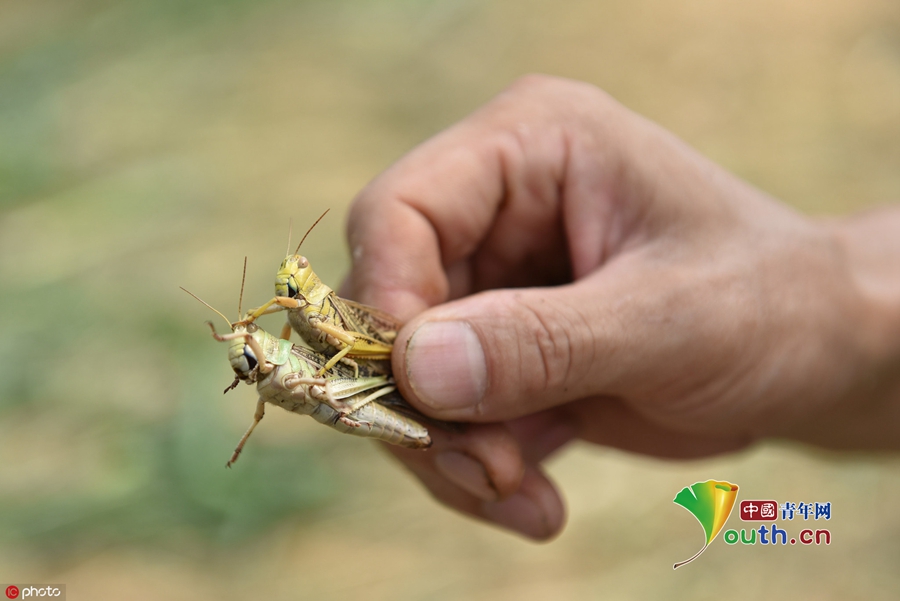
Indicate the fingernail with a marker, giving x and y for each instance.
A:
(445, 364)
(518, 513)
(466, 473)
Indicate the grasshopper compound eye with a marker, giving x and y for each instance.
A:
(249, 359)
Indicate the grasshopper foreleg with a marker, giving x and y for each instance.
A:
(279, 303)
(257, 417)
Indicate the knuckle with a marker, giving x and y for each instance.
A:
(552, 346)
(537, 84)
(535, 81)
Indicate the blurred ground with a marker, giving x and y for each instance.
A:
(148, 144)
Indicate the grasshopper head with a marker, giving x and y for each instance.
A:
(293, 276)
(243, 360)
(251, 350)
(241, 356)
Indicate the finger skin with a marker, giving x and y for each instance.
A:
(541, 524)
(492, 445)
(526, 500)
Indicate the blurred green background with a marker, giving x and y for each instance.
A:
(148, 144)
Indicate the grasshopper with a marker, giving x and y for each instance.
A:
(344, 330)
(297, 379)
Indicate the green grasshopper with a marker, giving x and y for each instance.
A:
(297, 379)
(344, 330)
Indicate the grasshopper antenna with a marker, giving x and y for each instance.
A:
(290, 231)
(208, 305)
(241, 297)
(310, 229)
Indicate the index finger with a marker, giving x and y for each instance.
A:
(498, 171)
(406, 227)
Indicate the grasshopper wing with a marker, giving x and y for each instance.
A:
(368, 320)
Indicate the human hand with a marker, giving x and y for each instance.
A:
(607, 283)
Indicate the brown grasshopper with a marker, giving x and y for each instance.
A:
(339, 328)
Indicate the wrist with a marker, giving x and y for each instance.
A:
(869, 415)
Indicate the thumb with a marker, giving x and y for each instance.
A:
(506, 353)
